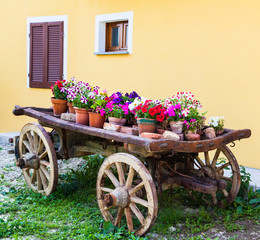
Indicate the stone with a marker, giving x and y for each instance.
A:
(171, 135)
(151, 135)
(71, 117)
(172, 229)
(128, 130)
(111, 127)
(209, 133)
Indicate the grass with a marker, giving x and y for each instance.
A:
(72, 212)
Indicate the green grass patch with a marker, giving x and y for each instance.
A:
(71, 212)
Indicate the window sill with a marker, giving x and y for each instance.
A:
(112, 53)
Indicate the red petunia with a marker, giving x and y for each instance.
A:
(152, 111)
(160, 118)
(144, 109)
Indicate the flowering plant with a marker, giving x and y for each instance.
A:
(100, 101)
(70, 88)
(217, 123)
(150, 109)
(118, 105)
(59, 89)
(82, 95)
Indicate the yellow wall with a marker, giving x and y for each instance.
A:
(210, 48)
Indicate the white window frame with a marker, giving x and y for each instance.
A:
(60, 18)
(100, 31)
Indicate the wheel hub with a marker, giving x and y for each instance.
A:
(32, 162)
(119, 197)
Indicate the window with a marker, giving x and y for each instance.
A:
(46, 50)
(46, 54)
(114, 33)
(116, 36)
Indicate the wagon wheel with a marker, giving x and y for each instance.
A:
(37, 159)
(223, 169)
(126, 192)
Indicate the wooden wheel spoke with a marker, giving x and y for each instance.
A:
(224, 191)
(104, 189)
(28, 146)
(43, 155)
(33, 179)
(206, 155)
(30, 139)
(35, 141)
(139, 201)
(39, 180)
(112, 177)
(199, 161)
(121, 174)
(129, 219)
(215, 159)
(137, 213)
(225, 178)
(45, 172)
(119, 216)
(130, 177)
(222, 167)
(136, 188)
(43, 179)
(45, 163)
(39, 146)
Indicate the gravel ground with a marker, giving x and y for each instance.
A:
(13, 178)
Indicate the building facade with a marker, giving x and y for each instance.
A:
(210, 48)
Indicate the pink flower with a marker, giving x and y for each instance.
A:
(102, 111)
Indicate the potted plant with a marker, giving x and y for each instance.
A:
(59, 99)
(82, 99)
(175, 118)
(148, 113)
(117, 108)
(97, 116)
(218, 124)
(71, 93)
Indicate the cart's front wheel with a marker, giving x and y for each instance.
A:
(125, 188)
(37, 159)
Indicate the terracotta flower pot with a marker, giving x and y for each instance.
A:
(59, 106)
(71, 108)
(218, 133)
(193, 137)
(82, 115)
(117, 121)
(96, 120)
(146, 125)
(176, 127)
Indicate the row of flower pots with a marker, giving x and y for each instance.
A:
(179, 113)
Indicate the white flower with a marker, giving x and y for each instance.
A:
(134, 104)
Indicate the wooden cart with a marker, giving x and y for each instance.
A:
(135, 169)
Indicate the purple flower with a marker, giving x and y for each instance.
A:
(124, 108)
(134, 95)
(193, 120)
(83, 99)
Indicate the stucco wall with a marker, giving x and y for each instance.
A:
(210, 48)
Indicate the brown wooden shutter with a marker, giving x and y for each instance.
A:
(36, 55)
(46, 54)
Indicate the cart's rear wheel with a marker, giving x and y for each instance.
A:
(220, 166)
(125, 187)
(37, 158)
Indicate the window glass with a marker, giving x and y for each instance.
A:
(115, 36)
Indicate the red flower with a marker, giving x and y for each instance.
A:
(138, 107)
(144, 109)
(152, 111)
(160, 117)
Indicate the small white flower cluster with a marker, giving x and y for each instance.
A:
(216, 121)
(136, 102)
